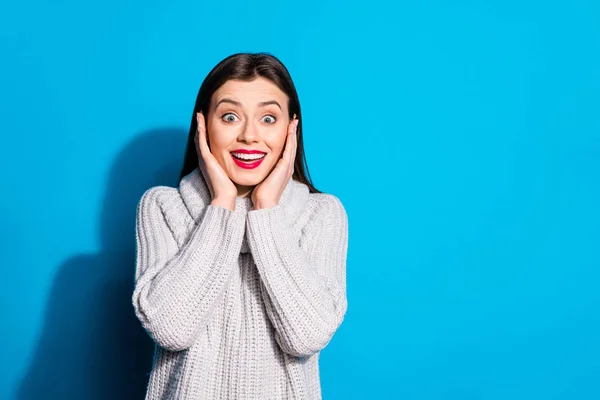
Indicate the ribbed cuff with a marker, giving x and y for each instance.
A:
(223, 227)
(264, 226)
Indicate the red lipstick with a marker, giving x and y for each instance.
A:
(247, 164)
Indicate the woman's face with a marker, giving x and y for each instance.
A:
(237, 120)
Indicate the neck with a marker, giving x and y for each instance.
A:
(244, 191)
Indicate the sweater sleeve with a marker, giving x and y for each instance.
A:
(177, 287)
(304, 290)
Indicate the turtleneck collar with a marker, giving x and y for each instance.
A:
(196, 196)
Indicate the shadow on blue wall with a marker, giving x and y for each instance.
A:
(92, 346)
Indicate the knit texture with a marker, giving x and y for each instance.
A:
(238, 303)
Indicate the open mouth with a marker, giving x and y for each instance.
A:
(248, 159)
(247, 163)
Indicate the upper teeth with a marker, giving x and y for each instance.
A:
(245, 156)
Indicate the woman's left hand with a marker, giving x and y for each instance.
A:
(268, 192)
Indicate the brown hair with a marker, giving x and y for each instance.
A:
(247, 67)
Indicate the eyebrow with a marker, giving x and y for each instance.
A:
(237, 103)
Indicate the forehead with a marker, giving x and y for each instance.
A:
(250, 93)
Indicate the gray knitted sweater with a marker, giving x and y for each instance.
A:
(238, 303)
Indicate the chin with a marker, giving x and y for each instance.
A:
(248, 180)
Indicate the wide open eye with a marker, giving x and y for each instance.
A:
(228, 114)
(272, 118)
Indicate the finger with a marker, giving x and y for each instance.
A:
(293, 138)
(197, 133)
(293, 130)
(198, 152)
(197, 141)
(295, 144)
(288, 145)
(294, 147)
(290, 126)
(202, 135)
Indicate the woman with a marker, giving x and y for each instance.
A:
(241, 271)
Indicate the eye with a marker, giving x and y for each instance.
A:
(272, 117)
(226, 115)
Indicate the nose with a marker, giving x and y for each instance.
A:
(249, 133)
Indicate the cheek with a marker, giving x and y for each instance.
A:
(280, 140)
(277, 145)
(216, 140)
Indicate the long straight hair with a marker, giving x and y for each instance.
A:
(247, 67)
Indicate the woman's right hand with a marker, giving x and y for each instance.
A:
(222, 190)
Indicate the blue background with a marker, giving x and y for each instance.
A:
(462, 137)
